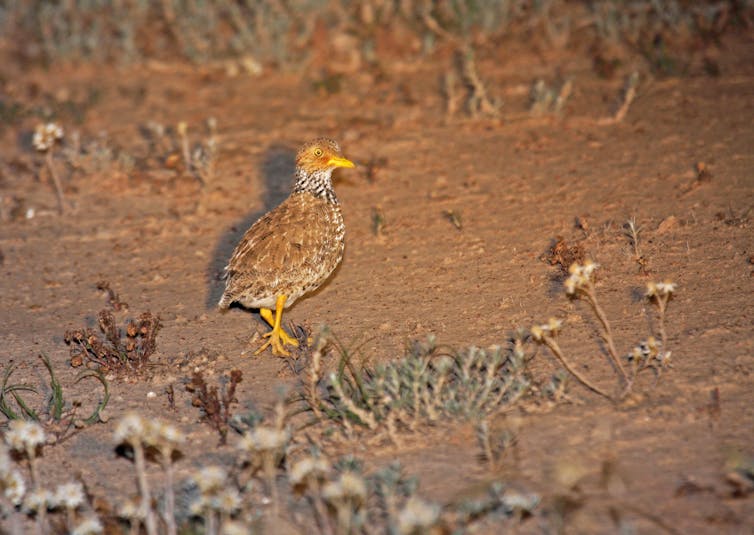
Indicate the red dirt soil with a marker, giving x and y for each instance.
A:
(159, 240)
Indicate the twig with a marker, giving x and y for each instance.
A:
(56, 180)
(553, 346)
(629, 94)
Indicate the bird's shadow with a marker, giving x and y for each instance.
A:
(277, 171)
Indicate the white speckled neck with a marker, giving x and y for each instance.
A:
(318, 183)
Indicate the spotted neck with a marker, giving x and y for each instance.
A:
(318, 183)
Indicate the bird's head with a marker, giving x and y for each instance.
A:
(320, 155)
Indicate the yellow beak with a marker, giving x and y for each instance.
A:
(337, 161)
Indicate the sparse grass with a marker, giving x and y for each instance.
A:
(58, 416)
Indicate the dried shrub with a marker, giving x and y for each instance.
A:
(215, 402)
(562, 254)
(113, 349)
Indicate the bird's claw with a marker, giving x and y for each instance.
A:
(278, 339)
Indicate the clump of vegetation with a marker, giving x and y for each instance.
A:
(112, 349)
(427, 386)
(59, 417)
(650, 354)
(215, 403)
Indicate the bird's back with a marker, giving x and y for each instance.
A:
(289, 251)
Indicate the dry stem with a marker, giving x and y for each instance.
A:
(555, 348)
(607, 334)
(146, 499)
(56, 180)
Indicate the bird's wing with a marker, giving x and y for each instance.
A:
(284, 240)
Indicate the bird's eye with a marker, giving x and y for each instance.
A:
(318, 152)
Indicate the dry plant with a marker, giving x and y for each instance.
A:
(628, 94)
(454, 216)
(215, 403)
(478, 101)
(632, 230)
(546, 99)
(378, 221)
(150, 439)
(111, 351)
(263, 449)
(202, 160)
(45, 138)
(428, 386)
(563, 255)
(650, 354)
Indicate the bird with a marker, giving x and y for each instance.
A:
(292, 249)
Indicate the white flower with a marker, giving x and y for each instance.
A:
(200, 505)
(537, 333)
(164, 436)
(666, 287)
(232, 527)
(552, 326)
(46, 135)
(308, 467)
(37, 500)
(229, 500)
(579, 276)
(588, 268)
(349, 485)
(417, 516)
(90, 526)
(69, 495)
(15, 487)
(131, 510)
(210, 479)
(23, 435)
(353, 485)
(263, 438)
(131, 429)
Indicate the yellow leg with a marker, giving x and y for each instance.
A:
(278, 338)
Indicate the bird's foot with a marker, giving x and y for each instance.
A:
(278, 339)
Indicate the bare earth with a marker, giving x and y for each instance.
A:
(160, 240)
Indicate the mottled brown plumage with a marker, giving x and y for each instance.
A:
(292, 249)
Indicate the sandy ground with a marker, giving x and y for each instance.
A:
(516, 183)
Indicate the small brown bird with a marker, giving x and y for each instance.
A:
(292, 249)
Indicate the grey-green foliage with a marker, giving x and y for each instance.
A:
(619, 20)
(283, 30)
(426, 386)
